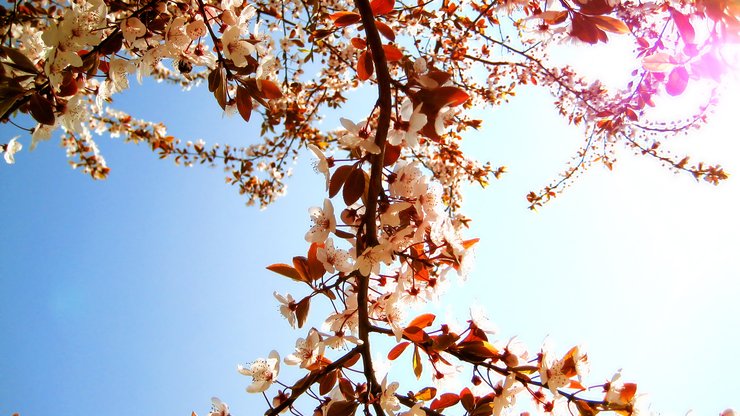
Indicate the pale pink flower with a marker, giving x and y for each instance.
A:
(11, 149)
(307, 351)
(264, 372)
(324, 223)
(196, 29)
(236, 48)
(334, 259)
(388, 400)
(218, 408)
(406, 130)
(506, 394)
(287, 307)
(132, 29)
(358, 136)
(322, 165)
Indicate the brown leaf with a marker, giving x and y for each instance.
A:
(365, 66)
(41, 109)
(327, 382)
(20, 60)
(301, 311)
(345, 387)
(269, 89)
(342, 408)
(391, 154)
(301, 265)
(285, 270)
(354, 187)
(342, 19)
(468, 400)
(315, 267)
(214, 79)
(338, 178)
(243, 102)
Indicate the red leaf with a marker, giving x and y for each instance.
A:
(327, 382)
(391, 155)
(358, 43)
(595, 7)
(396, 351)
(365, 66)
(468, 400)
(392, 53)
(683, 25)
(342, 19)
(585, 29)
(444, 401)
(381, 7)
(243, 102)
(678, 79)
(450, 96)
(386, 31)
(416, 334)
(354, 187)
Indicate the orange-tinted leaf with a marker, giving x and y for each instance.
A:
(444, 341)
(243, 102)
(359, 43)
(480, 350)
(628, 392)
(315, 267)
(678, 79)
(683, 25)
(416, 363)
(354, 187)
(415, 334)
(386, 31)
(610, 24)
(365, 66)
(301, 311)
(444, 401)
(41, 109)
(396, 351)
(423, 321)
(301, 265)
(584, 29)
(426, 394)
(269, 89)
(327, 382)
(576, 385)
(338, 178)
(470, 243)
(285, 270)
(381, 7)
(658, 62)
(342, 19)
(392, 53)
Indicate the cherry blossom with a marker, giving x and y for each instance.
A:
(324, 223)
(264, 372)
(218, 408)
(322, 165)
(334, 260)
(287, 307)
(307, 351)
(11, 149)
(358, 135)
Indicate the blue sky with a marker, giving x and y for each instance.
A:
(141, 293)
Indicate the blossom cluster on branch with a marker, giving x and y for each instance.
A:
(398, 235)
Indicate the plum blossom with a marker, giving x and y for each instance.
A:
(218, 408)
(334, 259)
(388, 400)
(347, 320)
(324, 223)
(557, 373)
(406, 130)
(11, 149)
(235, 48)
(506, 394)
(307, 351)
(322, 165)
(264, 372)
(287, 307)
(132, 29)
(358, 136)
